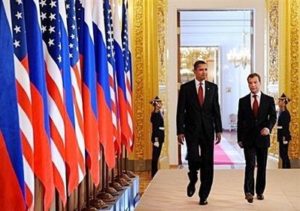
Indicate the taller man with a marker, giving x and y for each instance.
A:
(198, 118)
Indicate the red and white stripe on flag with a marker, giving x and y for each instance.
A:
(24, 97)
(53, 60)
(127, 70)
(76, 80)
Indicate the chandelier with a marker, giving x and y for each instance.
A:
(240, 57)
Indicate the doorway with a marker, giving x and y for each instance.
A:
(224, 39)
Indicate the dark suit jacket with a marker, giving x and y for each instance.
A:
(197, 123)
(157, 121)
(284, 121)
(249, 127)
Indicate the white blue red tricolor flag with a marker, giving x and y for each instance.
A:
(89, 92)
(104, 90)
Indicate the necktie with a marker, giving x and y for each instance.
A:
(200, 94)
(255, 106)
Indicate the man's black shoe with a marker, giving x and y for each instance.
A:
(260, 197)
(190, 189)
(249, 197)
(203, 202)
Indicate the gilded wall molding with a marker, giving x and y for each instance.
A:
(162, 66)
(273, 59)
(137, 9)
(283, 63)
(293, 65)
(149, 68)
(273, 53)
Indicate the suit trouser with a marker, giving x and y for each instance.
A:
(261, 155)
(155, 156)
(206, 167)
(283, 152)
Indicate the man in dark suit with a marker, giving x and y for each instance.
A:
(158, 133)
(198, 118)
(256, 118)
(283, 131)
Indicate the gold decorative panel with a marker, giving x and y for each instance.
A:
(283, 63)
(293, 66)
(149, 68)
(273, 60)
(137, 8)
(162, 65)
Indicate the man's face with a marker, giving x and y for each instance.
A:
(281, 103)
(201, 72)
(254, 84)
(158, 104)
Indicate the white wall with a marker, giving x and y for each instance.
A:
(175, 5)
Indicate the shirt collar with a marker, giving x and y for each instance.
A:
(198, 82)
(258, 94)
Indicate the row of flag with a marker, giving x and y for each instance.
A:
(66, 87)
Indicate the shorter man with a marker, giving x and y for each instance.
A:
(256, 118)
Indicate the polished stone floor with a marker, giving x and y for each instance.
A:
(282, 192)
(230, 139)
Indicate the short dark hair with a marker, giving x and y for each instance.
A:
(252, 75)
(198, 62)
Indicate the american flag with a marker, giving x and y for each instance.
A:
(24, 96)
(127, 71)
(71, 144)
(53, 57)
(76, 83)
(112, 74)
(40, 120)
(11, 174)
(103, 86)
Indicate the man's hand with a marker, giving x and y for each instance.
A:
(265, 131)
(241, 144)
(218, 138)
(156, 144)
(180, 139)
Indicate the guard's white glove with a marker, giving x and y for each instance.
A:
(156, 144)
(284, 141)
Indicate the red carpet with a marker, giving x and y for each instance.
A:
(220, 157)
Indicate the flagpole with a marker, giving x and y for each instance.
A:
(87, 187)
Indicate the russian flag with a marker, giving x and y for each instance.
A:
(120, 70)
(12, 194)
(87, 53)
(103, 86)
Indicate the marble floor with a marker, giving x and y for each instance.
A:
(230, 139)
(282, 192)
